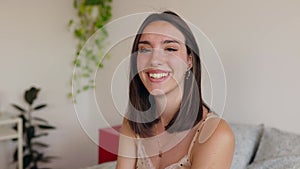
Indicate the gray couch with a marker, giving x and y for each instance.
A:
(260, 147)
(257, 147)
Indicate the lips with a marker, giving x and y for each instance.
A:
(157, 75)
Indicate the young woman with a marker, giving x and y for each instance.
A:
(168, 125)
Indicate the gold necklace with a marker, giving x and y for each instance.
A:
(182, 135)
(160, 150)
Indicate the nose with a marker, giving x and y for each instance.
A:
(157, 57)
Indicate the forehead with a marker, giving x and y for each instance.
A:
(161, 30)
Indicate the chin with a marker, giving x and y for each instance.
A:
(157, 92)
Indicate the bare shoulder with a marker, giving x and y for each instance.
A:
(126, 129)
(222, 131)
(127, 147)
(215, 145)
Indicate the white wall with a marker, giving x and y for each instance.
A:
(257, 42)
(37, 49)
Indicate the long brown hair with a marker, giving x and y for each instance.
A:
(142, 113)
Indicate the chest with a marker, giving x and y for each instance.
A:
(166, 150)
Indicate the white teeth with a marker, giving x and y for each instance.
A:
(157, 75)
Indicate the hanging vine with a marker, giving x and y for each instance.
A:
(92, 16)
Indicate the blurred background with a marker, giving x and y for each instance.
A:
(257, 41)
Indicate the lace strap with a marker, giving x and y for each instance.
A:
(209, 116)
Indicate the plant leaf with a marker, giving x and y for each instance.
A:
(92, 2)
(78, 33)
(40, 135)
(39, 157)
(15, 156)
(48, 159)
(100, 65)
(27, 159)
(71, 21)
(31, 95)
(15, 127)
(86, 87)
(40, 144)
(40, 119)
(41, 126)
(19, 108)
(40, 106)
(70, 95)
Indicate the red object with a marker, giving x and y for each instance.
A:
(108, 144)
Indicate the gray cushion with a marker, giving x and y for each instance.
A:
(287, 162)
(276, 143)
(247, 138)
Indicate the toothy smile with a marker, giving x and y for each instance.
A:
(158, 75)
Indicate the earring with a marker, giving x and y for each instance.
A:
(188, 74)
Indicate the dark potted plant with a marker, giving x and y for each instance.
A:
(33, 128)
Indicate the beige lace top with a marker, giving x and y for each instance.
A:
(144, 162)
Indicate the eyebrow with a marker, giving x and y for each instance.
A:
(171, 41)
(144, 42)
(164, 42)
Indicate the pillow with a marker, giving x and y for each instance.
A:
(288, 162)
(276, 143)
(247, 138)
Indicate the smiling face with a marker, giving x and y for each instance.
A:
(162, 58)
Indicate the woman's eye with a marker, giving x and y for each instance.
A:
(144, 50)
(171, 49)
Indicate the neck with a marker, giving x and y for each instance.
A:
(168, 105)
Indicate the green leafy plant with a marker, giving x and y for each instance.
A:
(33, 128)
(92, 16)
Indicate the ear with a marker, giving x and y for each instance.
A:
(190, 61)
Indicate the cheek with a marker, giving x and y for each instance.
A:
(141, 62)
(179, 62)
(180, 67)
